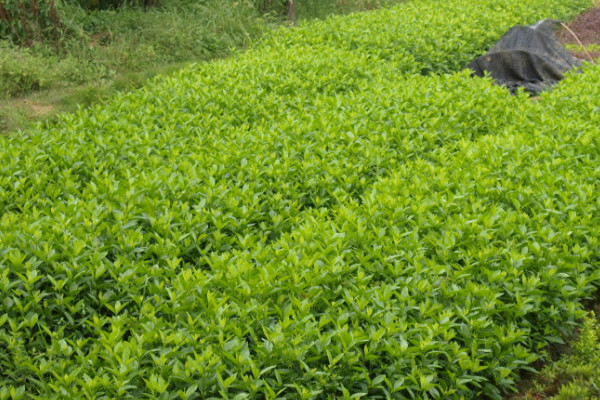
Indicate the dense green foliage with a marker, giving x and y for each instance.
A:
(28, 21)
(576, 375)
(113, 4)
(44, 45)
(427, 36)
(23, 70)
(308, 9)
(100, 50)
(103, 44)
(312, 218)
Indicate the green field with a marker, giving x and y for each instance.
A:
(339, 212)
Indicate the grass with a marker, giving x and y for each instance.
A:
(19, 112)
(578, 48)
(107, 51)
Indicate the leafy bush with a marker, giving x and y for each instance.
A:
(29, 21)
(576, 375)
(441, 36)
(23, 70)
(20, 71)
(306, 220)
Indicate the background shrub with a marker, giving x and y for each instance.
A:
(112, 4)
(308, 9)
(20, 71)
(24, 69)
(29, 21)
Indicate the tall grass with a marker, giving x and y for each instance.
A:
(105, 43)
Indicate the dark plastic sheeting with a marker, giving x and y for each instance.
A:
(530, 57)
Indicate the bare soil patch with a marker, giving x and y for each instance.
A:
(587, 28)
(42, 110)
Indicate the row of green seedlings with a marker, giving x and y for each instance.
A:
(183, 248)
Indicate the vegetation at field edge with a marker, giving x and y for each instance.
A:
(576, 375)
(91, 54)
(339, 212)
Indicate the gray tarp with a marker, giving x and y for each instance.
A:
(527, 56)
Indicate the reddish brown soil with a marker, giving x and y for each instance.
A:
(587, 28)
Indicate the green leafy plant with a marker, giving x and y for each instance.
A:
(314, 218)
(20, 71)
(576, 47)
(575, 376)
